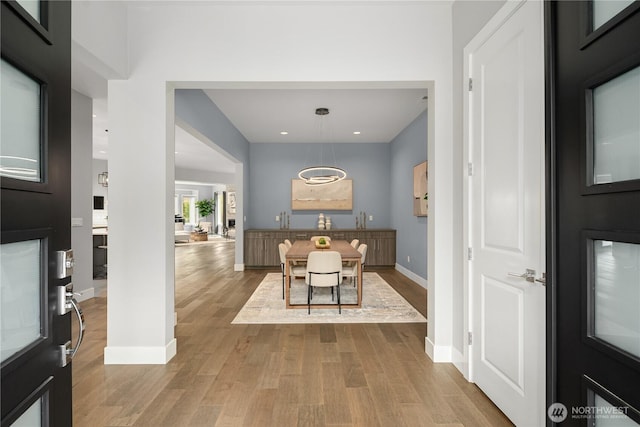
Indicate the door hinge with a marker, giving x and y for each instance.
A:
(470, 338)
(470, 169)
(470, 254)
(470, 84)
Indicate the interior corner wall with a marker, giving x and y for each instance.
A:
(468, 19)
(81, 194)
(408, 149)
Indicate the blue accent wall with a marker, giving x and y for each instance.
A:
(273, 166)
(408, 149)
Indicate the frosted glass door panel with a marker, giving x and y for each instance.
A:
(20, 296)
(608, 415)
(616, 138)
(21, 123)
(617, 294)
(604, 10)
(32, 417)
(32, 7)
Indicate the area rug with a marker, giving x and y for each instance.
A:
(380, 304)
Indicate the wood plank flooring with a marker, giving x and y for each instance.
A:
(271, 375)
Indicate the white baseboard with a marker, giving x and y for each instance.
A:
(437, 353)
(238, 267)
(140, 355)
(411, 275)
(86, 294)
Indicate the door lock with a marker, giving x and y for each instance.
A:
(64, 263)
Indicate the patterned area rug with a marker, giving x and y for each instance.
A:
(380, 304)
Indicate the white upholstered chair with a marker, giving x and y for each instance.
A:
(324, 269)
(351, 271)
(295, 270)
(355, 243)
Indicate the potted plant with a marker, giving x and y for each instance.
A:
(205, 207)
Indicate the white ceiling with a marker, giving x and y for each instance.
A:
(261, 114)
(378, 114)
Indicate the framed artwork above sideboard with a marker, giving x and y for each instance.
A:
(420, 191)
(337, 196)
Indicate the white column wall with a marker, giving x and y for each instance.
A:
(81, 198)
(255, 42)
(140, 310)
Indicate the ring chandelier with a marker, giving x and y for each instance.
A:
(321, 175)
(329, 175)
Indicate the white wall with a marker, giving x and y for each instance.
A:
(81, 198)
(252, 42)
(99, 31)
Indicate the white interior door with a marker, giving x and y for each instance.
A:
(506, 215)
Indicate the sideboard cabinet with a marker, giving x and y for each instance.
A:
(261, 246)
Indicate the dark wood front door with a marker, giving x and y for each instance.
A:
(35, 216)
(595, 229)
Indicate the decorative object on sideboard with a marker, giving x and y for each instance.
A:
(103, 179)
(284, 220)
(361, 221)
(322, 175)
(321, 221)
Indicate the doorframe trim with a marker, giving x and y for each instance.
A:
(549, 16)
(503, 14)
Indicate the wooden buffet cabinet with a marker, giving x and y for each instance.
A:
(261, 246)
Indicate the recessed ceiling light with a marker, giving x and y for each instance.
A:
(103, 152)
(175, 152)
(95, 115)
(284, 132)
(357, 132)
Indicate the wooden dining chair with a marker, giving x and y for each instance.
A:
(324, 269)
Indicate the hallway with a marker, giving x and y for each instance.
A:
(271, 375)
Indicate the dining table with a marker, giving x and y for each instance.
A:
(299, 252)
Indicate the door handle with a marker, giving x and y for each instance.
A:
(529, 275)
(66, 303)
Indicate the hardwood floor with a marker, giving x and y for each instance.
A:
(271, 375)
